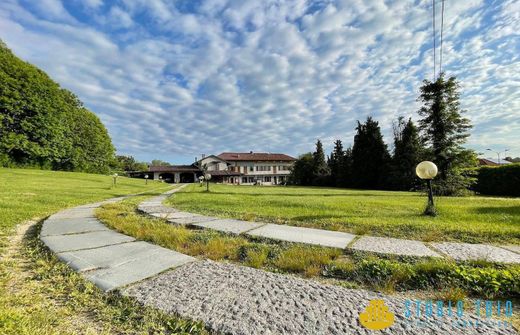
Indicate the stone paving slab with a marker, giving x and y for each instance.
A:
(303, 235)
(173, 215)
(466, 251)
(71, 226)
(104, 257)
(60, 243)
(149, 263)
(394, 246)
(192, 219)
(229, 225)
(74, 214)
(157, 209)
(514, 248)
(233, 299)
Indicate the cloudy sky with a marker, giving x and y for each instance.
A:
(174, 79)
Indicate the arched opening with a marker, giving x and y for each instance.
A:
(187, 177)
(167, 177)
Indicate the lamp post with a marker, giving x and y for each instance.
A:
(207, 177)
(201, 181)
(146, 179)
(114, 176)
(498, 153)
(427, 171)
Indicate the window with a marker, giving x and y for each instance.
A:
(284, 168)
(251, 168)
(244, 180)
(267, 179)
(263, 168)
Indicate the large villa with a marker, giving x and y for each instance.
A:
(229, 168)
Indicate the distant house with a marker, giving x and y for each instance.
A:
(492, 162)
(248, 168)
(228, 168)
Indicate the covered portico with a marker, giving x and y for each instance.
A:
(175, 173)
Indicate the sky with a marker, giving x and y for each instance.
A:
(174, 79)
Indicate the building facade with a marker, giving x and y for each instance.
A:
(248, 168)
(238, 168)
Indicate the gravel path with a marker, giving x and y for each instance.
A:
(239, 300)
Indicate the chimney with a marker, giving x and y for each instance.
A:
(203, 156)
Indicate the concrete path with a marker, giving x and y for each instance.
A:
(229, 298)
(381, 245)
(108, 259)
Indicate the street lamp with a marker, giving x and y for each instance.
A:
(146, 179)
(115, 178)
(207, 177)
(427, 171)
(201, 180)
(498, 153)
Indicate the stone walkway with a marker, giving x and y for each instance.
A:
(335, 239)
(230, 298)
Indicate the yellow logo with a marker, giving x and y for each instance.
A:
(376, 316)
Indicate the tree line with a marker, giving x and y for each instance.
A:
(368, 164)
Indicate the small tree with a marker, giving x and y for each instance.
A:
(444, 130)
(302, 170)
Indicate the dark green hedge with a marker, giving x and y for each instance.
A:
(499, 180)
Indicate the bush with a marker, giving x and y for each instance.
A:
(500, 180)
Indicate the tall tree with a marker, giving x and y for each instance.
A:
(319, 165)
(407, 154)
(335, 163)
(43, 125)
(345, 174)
(370, 156)
(444, 130)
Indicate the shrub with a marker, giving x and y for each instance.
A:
(500, 180)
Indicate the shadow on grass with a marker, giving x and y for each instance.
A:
(508, 210)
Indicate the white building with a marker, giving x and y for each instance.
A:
(247, 168)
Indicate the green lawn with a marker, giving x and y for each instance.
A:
(25, 194)
(379, 213)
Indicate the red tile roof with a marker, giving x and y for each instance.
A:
(255, 156)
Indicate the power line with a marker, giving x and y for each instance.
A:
(434, 44)
(442, 29)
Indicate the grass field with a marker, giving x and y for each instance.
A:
(39, 294)
(25, 194)
(379, 213)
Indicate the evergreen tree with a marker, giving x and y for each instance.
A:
(319, 165)
(335, 163)
(370, 156)
(302, 170)
(407, 154)
(444, 130)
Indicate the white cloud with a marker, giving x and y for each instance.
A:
(269, 75)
